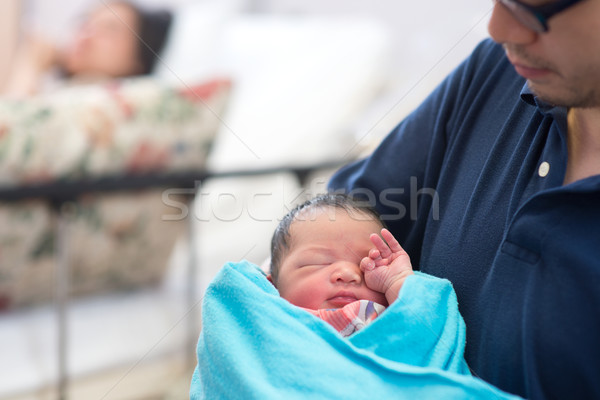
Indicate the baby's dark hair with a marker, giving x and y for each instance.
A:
(280, 243)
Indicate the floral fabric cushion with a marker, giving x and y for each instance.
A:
(116, 241)
(118, 127)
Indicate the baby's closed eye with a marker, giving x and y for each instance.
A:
(313, 264)
(315, 261)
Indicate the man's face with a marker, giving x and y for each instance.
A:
(562, 66)
(321, 268)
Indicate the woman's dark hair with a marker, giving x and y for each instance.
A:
(153, 33)
(280, 243)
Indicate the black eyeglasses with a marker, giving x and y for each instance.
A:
(536, 17)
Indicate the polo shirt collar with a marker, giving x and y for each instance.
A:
(557, 112)
(530, 98)
(527, 95)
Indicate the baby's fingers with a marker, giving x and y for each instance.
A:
(367, 264)
(383, 248)
(374, 254)
(391, 241)
(372, 260)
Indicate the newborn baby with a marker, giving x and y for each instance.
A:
(327, 257)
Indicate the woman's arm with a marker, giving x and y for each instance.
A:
(10, 18)
(34, 57)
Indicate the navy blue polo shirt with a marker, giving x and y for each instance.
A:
(471, 185)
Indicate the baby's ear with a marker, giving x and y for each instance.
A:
(270, 279)
(266, 265)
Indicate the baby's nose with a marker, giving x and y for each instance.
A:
(346, 272)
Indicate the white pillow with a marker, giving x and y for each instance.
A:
(298, 85)
(299, 82)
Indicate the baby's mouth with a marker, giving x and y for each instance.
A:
(342, 298)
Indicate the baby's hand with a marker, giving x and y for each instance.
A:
(386, 266)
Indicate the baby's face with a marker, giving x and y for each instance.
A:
(321, 268)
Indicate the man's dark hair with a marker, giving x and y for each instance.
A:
(280, 243)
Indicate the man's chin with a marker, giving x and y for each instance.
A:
(566, 98)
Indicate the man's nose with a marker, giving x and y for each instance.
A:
(505, 28)
(346, 272)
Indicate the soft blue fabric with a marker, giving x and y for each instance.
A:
(256, 345)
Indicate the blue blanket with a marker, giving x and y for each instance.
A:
(256, 345)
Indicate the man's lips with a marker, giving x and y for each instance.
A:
(528, 71)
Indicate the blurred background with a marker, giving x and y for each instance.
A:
(308, 83)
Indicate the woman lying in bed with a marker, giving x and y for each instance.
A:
(332, 269)
(117, 39)
(85, 132)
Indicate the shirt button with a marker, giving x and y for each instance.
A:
(544, 169)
